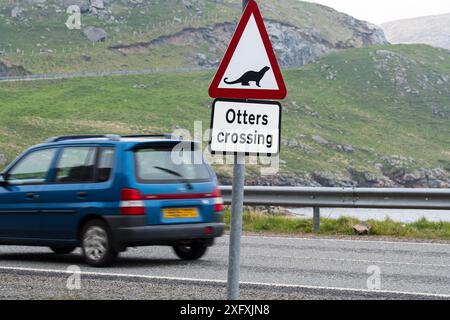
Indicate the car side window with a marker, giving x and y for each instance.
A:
(76, 165)
(105, 164)
(33, 168)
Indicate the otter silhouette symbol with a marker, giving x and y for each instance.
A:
(250, 76)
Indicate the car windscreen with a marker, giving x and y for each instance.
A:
(164, 164)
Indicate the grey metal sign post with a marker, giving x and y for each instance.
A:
(236, 220)
(236, 226)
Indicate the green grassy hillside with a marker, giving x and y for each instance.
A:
(370, 105)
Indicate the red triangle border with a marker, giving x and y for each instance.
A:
(244, 94)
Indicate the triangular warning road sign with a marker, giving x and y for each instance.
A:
(249, 69)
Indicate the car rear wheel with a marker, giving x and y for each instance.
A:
(97, 245)
(191, 252)
(62, 250)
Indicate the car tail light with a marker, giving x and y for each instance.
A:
(218, 201)
(131, 202)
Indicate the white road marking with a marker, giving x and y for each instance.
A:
(348, 240)
(354, 260)
(221, 282)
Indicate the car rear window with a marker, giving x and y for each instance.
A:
(163, 164)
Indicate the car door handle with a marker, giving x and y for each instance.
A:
(32, 196)
(82, 194)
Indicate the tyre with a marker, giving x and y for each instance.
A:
(97, 244)
(191, 252)
(62, 250)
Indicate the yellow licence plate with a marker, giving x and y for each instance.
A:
(177, 213)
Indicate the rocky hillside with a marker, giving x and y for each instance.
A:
(136, 34)
(431, 30)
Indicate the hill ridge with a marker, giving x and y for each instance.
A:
(433, 30)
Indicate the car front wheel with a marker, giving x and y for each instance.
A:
(97, 244)
(191, 252)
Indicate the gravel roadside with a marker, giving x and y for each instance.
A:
(25, 285)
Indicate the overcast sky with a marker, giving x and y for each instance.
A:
(379, 11)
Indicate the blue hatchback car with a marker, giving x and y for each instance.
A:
(107, 193)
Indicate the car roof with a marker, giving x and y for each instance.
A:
(111, 139)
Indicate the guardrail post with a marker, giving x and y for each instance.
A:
(316, 220)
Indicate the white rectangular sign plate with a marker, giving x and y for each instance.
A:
(250, 127)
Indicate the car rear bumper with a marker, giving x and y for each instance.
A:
(131, 233)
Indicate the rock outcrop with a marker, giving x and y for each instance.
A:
(16, 12)
(95, 34)
(8, 69)
(294, 46)
(387, 177)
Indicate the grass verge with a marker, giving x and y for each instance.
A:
(265, 223)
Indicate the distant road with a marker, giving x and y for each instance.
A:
(56, 76)
(93, 74)
(272, 267)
